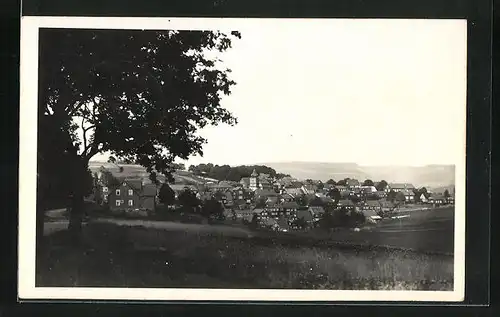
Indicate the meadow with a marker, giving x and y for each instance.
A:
(125, 256)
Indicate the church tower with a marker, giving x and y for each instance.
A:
(254, 184)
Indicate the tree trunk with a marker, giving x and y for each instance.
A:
(77, 201)
(76, 218)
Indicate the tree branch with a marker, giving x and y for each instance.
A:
(84, 136)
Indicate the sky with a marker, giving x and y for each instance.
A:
(372, 92)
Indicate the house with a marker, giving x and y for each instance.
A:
(381, 194)
(132, 195)
(295, 192)
(259, 193)
(286, 197)
(397, 187)
(309, 188)
(368, 191)
(245, 182)
(291, 207)
(346, 203)
(316, 212)
(409, 195)
(373, 205)
(423, 198)
(450, 200)
(437, 199)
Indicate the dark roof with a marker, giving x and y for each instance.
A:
(437, 196)
(257, 210)
(290, 205)
(294, 191)
(401, 185)
(407, 192)
(265, 192)
(134, 183)
(373, 203)
(345, 202)
(295, 184)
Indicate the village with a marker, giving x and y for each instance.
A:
(261, 200)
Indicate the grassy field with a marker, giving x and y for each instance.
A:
(122, 256)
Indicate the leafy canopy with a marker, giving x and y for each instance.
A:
(140, 95)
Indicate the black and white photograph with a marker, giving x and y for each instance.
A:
(242, 159)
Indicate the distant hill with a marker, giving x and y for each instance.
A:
(429, 175)
(437, 177)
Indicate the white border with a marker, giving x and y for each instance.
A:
(27, 181)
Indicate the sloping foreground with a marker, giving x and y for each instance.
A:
(121, 256)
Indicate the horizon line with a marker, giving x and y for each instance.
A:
(308, 162)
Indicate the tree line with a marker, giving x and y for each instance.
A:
(232, 173)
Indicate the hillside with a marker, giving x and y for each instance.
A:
(430, 175)
(137, 171)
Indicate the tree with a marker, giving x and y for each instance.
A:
(212, 208)
(188, 200)
(317, 202)
(382, 185)
(342, 182)
(331, 182)
(368, 182)
(166, 195)
(334, 194)
(140, 95)
(178, 167)
(446, 194)
(301, 200)
(109, 180)
(320, 186)
(261, 202)
(391, 195)
(301, 223)
(400, 197)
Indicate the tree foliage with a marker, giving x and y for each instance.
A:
(446, 194)
(334, 194)
(166, 194)
(368, 182)
(331, 182)
(391, 195)
(382, 185)
(188, 200)
(212, 208)
(226, 172)
(342, 182)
